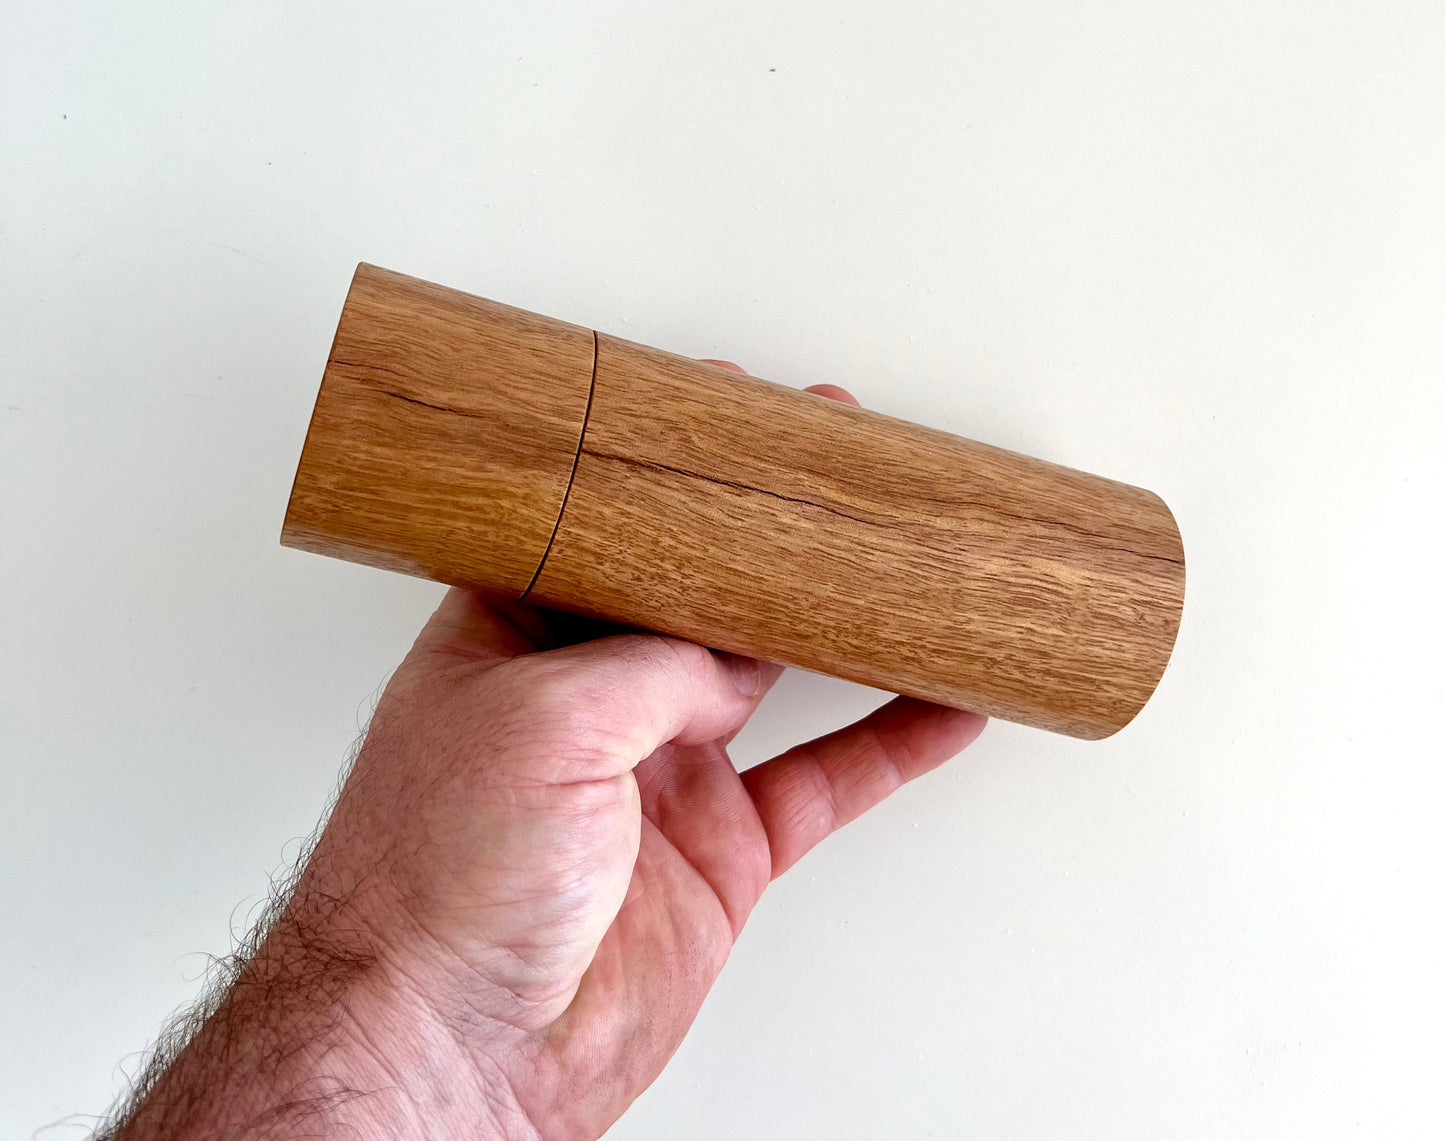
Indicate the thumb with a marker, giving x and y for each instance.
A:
(598, 708)
(470, 626)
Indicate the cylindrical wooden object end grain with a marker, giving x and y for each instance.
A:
(477, 444)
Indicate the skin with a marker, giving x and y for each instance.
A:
(534, 873)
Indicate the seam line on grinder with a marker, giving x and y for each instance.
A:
(576, 459)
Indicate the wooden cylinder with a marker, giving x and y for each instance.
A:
(481, 445)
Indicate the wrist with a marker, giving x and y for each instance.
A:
(418, 1026)
(400, 1027)
(326, 1028)
(428, 1076)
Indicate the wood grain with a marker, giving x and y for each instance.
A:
(759, 519)
(444, 435)
(473, 443)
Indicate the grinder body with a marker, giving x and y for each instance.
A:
(481, 445)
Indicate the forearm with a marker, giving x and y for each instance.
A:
(532, 876)
(322, 1033)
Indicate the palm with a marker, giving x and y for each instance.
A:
(707, 843)
(703, 861)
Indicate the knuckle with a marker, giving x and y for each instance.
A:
(536, 690)
(567, 716)
(554, 719)
(678, 660)
(650, 662)
(651, 652)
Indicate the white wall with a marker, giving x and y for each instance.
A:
(1199, 248)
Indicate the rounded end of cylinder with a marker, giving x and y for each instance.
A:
(444, 434)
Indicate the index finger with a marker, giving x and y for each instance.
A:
(809, 792)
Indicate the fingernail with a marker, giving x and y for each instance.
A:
(745, 672)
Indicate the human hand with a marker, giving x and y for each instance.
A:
(533, 875)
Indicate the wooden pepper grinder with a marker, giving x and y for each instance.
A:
(472, 443)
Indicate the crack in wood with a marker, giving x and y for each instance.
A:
(437, 407)
(371, 366)
(739, 486)
(654, 466)
(871, 522)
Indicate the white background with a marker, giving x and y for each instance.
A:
(1200, 248)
